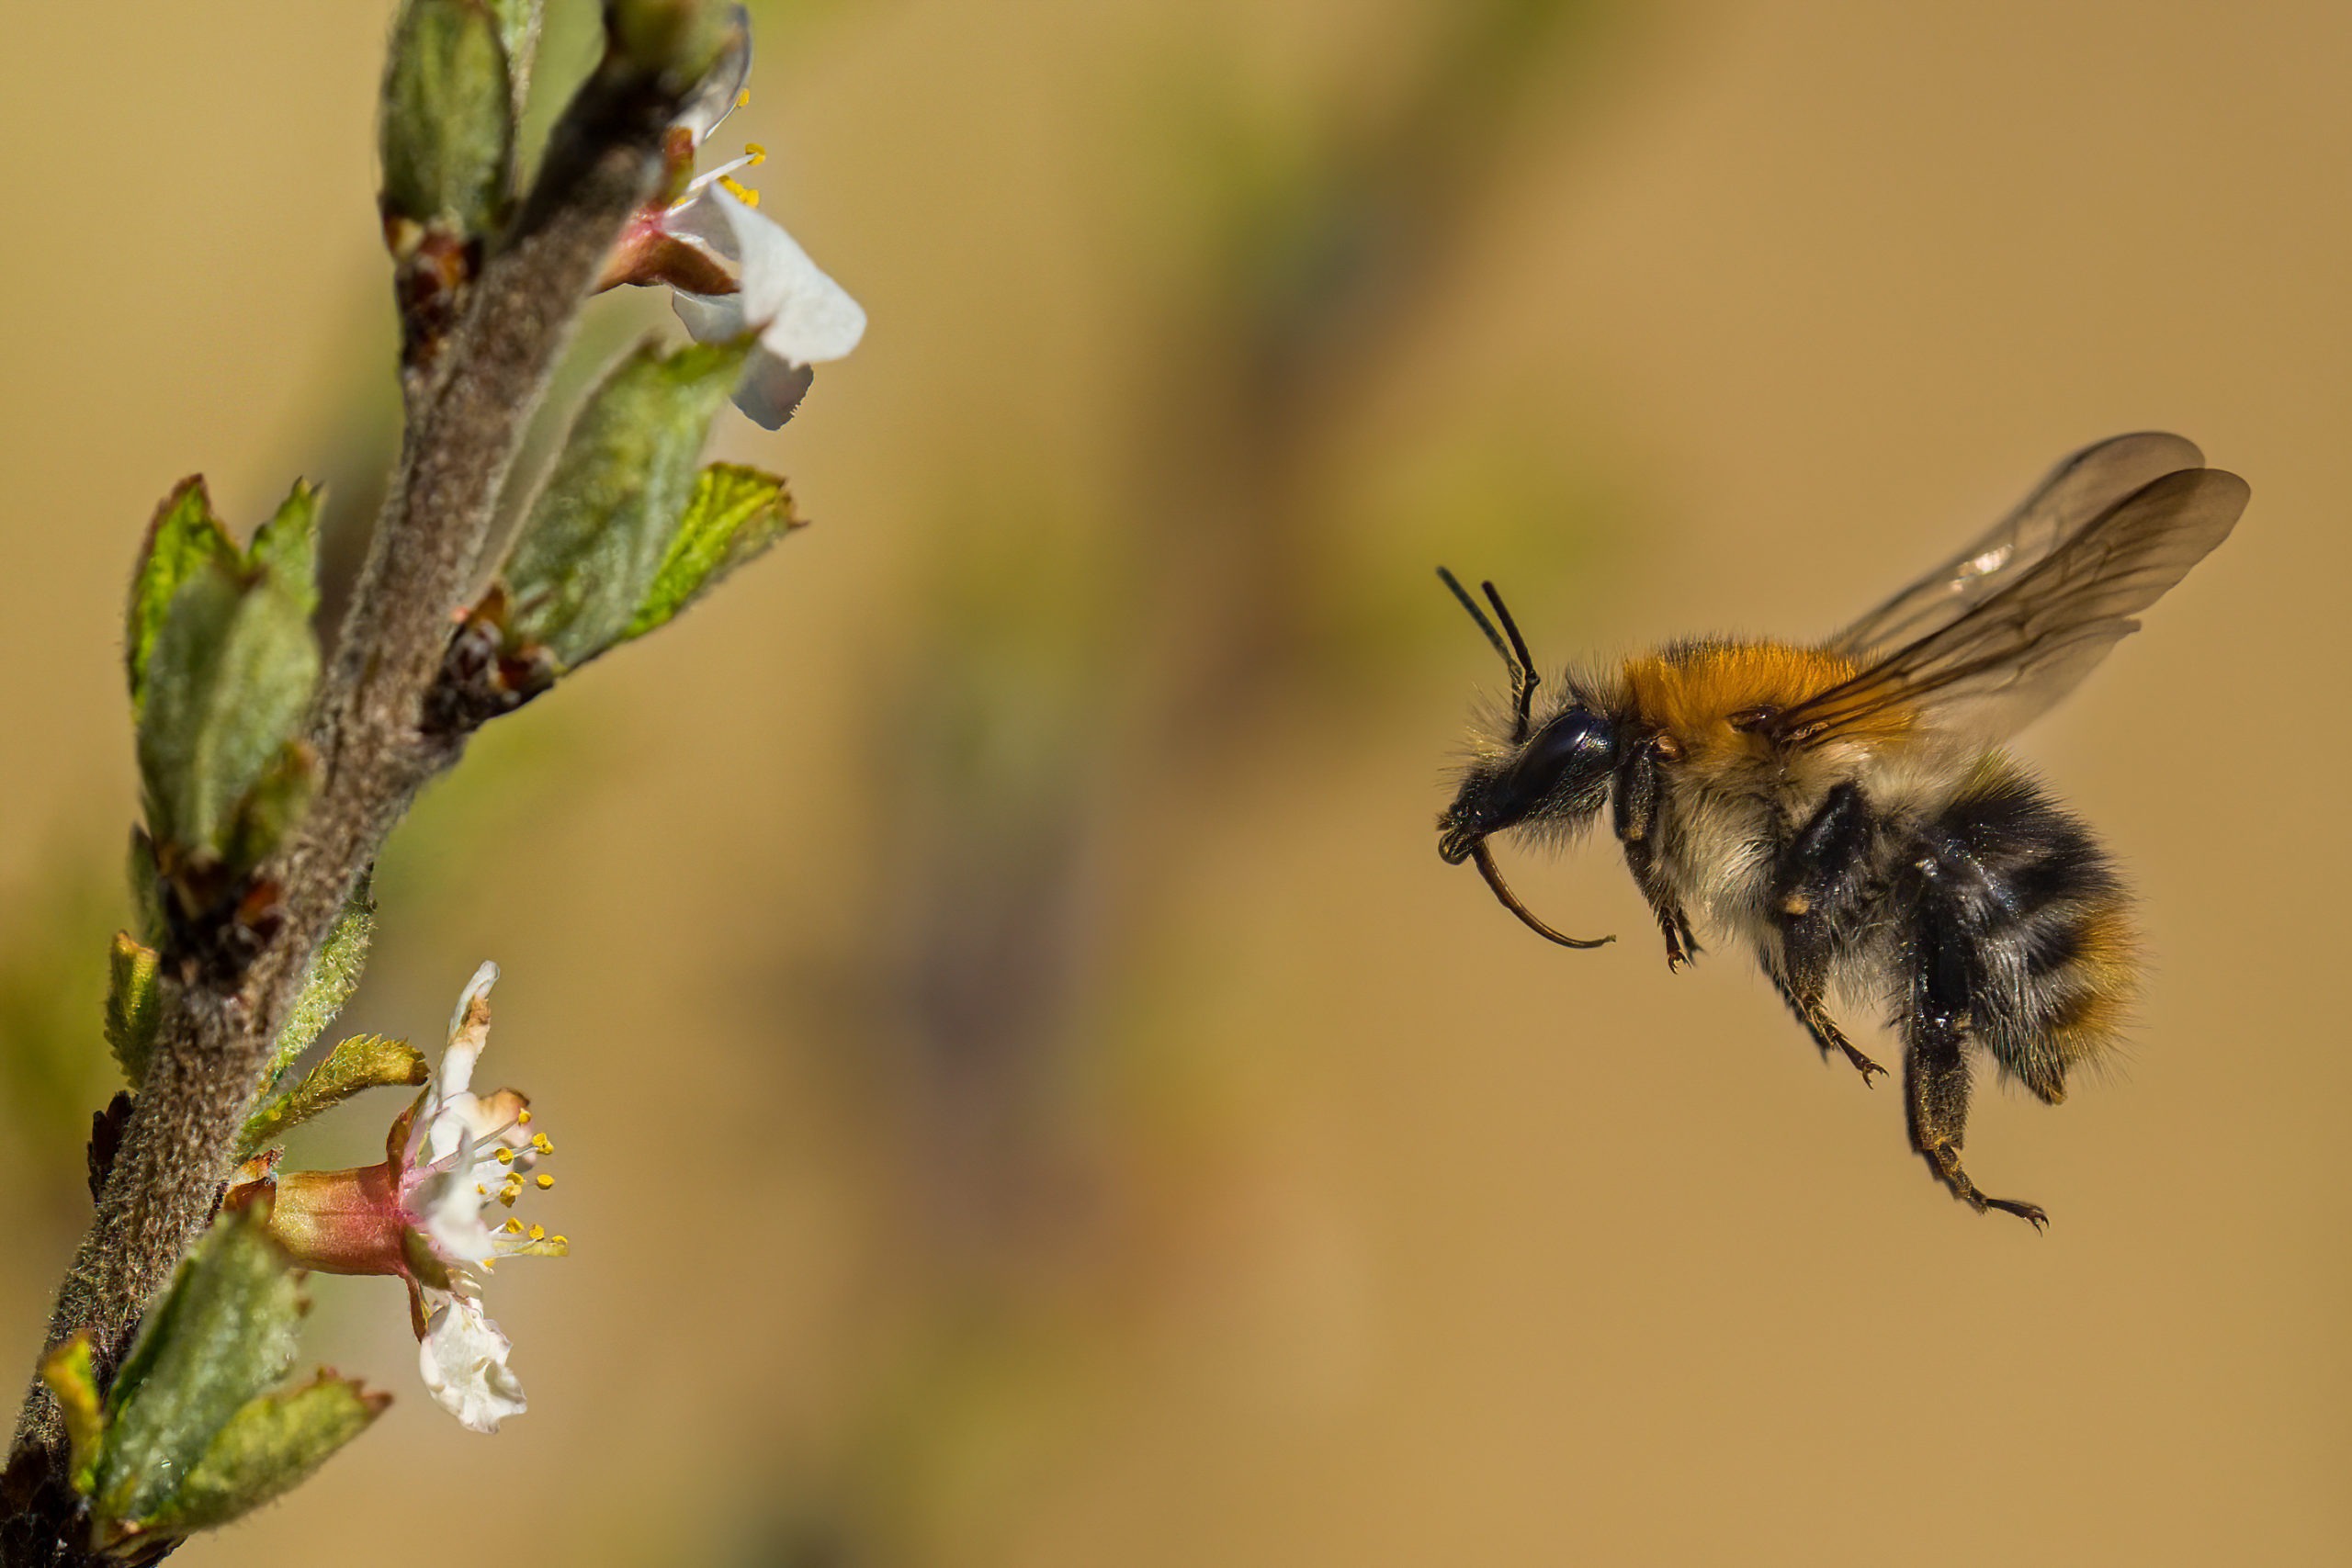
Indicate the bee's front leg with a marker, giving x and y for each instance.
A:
(1636, 797)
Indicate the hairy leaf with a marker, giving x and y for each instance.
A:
(269, 1446)
(362, 1062)
(272, 806)
(596, 539)
(134, 1006)
(72, 1376)
(184, 536)
(518, 35)
(221, 1334)
(447, 130)
(287, 547)
(228, 680)
(334, 975)
(735, 514)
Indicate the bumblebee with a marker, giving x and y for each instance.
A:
(1844, 807)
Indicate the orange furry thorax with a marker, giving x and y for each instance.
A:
(1694, 692)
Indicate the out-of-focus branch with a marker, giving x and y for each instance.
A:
(219, 1022)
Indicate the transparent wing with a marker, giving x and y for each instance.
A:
(2078, 491)
(1999, 665)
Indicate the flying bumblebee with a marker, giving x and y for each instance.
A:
(1844, 807)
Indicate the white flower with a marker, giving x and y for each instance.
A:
(803, 317)
(452, 1159)
(463, 1360)
(736, 272)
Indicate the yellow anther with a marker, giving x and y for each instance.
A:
(559, 1241)
(480, 1188)
(538, 1233)
(484, 1264)
(739, 190)
(539, 1142)
(759, 154)
(513, 1227)
(742, 97)
(506, 1156)
(545, 1181)
(508, 1195)
(523, 1116)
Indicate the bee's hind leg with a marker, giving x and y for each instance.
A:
(1935, 1071)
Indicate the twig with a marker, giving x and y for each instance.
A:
(603, 161)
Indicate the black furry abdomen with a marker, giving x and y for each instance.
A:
(2013, 925)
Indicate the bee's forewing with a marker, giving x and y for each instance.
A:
(2078, 491)
(2013, 652)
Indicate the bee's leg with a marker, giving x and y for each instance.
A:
(1935, 1071)
(1819, 878)
(1636, 798)
(1681, 946)
(1822, 1027)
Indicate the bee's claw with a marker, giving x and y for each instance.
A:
(2032, 1213)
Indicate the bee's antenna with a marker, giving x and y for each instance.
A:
(1479, 616)
(1516, 659)
(1523, 686)
(1493, 873)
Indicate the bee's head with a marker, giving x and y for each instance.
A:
(1557, 776)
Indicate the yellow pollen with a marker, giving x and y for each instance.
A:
(508, 1196)
(759, 154)
(484, 1264)
(539, 1142)
(559, 1241)
(742, 97)
(523, 1116)
(546, 1181)
(513, 1227)
(506, 1156)
(739, 190)
(538, 1233)
(480, 1188)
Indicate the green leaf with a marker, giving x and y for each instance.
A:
(72, 1376)
(363, 1061)
(221, 1334)
(184, 536)
(287, 547)
(518, 35)
(596, 539)
(447, 134)
(228, 680)
(146, 891)
(134, 1006)
(271, 1445)
(680, 40)
(334, 975)
(734, 515)
(270, 809)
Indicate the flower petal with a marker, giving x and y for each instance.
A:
(716, 96)
(803, 316)
(463, 1361)
(468, 1033)
(771, 389)
(448, 1209)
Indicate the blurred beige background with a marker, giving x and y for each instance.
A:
(1028, 1091)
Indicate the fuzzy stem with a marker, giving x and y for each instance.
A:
(216, 1032)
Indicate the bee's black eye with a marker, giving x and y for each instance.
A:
(1577, 745)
